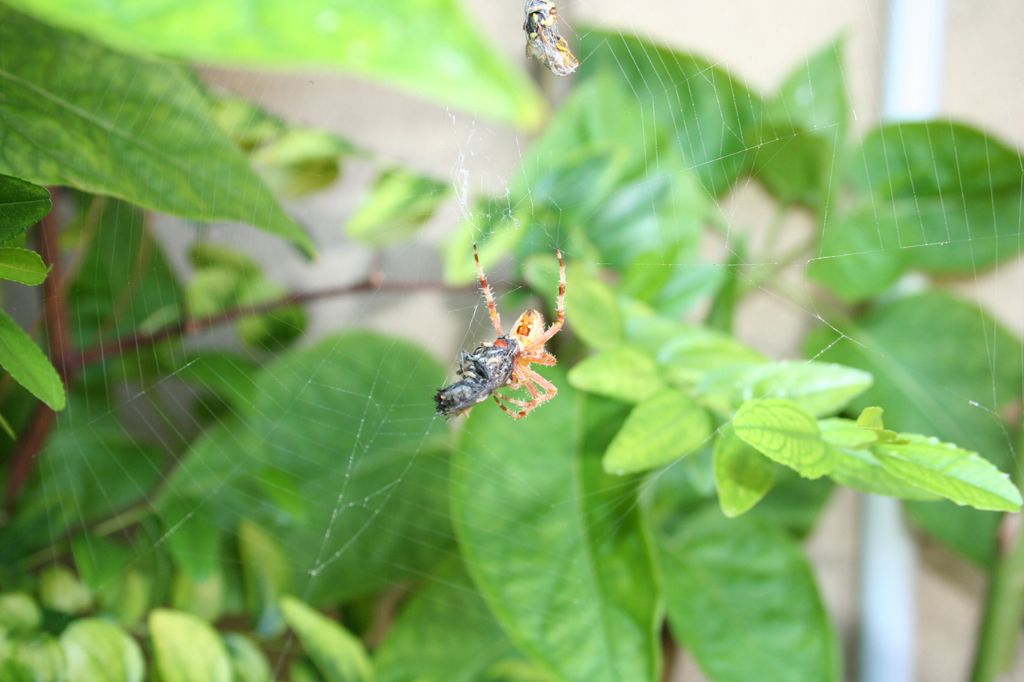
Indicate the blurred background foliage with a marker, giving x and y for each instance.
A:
(271, 506)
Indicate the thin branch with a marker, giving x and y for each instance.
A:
(194, 326)
(55, 312)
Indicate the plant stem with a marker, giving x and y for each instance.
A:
(1004, 604)
(55, 312)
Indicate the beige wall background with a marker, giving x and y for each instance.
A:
(760, 41)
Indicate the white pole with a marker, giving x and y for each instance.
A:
(912, 90)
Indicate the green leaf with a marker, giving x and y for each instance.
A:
(445, 634)
(742, 474)
(400, 202)
(98, 650)
(22, 265)
(143, 140)
(60, 590)
(19, 613)
(559, 556)
(806, 123)
(22, 205)
(624, 373)
(741, 597)
(944, 469)
(39, 659)
(591, 310)
(430, 48)
(862, 470)
(300, 161)
(846, 433)
(200, 597)
(660, 429)
(267, 576)
(186, 649)
(124, 283)
(817, 387)
(783, 431)
(942, 367)
(27, 364)
(229, 376)
(338, 655)
(248, 664)
(365, 506)
(939, 196)
(193, 540)
(701, 107)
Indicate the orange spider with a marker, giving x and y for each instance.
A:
(506, 361)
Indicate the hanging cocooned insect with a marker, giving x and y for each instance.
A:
(544, 42)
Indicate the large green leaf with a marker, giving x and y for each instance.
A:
(660, 429)
(942, 367)
(267, 576)
(85, 116)
(343, 446)
(741, 597)
(22, 205)
(98, 650)
(553, 543)
(28, 365)
(186, 649)
(944, 469)
(783, 431)
(445, 634)
(338, 655)
(702, 108)
(939, 196)
(624, 373)
(429, 47)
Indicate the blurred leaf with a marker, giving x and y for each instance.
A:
(229, 376)
(742, 474)
(591, 310)
(28, 365)
(820, 388)
(186, 649)
(945, 368)
(494, 225)
(805, 129)
(400, 202)
(939, 196)
(60, 590)
(41, 658)
(783, 431)
(561, 550)
(702, 108)
(431, 48)
(373, 495)
(944, 469)
(741, 597)
(22, 205)
(271, 331)
(123, 282)
(19, 613)
(445, 634)
(248, 664)
(338, 655)
(794, 503)
(194, 540)
(267, 576)
(99, 651)
(22, 265)
(204, 598)
(624, 373)
(662, 428)
(140, 141)
(301, 161)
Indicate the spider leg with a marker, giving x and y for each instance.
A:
(527, 405)
(560, 320)
(531, 380)
(492, 308)
(542, 358)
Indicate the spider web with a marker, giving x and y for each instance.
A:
(479, 159)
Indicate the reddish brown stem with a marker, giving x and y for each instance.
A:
(55, 313)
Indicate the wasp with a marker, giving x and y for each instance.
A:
(544, 42)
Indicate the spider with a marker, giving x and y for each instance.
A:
(543, 40)
(506, 361)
